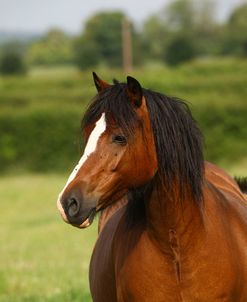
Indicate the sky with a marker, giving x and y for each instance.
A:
(40, 15)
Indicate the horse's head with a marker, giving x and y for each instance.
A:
(119, 154)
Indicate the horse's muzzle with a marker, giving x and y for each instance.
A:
(76, 210)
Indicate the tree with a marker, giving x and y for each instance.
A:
(101, 40)
(86, 53)
(190, 19)
(179, 15)
(154, 39)
(53, 49)
(180, 50)
(236, 29)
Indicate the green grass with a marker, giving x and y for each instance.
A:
(42, 258)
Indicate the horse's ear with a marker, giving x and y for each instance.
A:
(134, 91)
(99, 84)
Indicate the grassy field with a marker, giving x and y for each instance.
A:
(42, 258)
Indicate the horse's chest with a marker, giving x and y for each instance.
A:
(144, 275)
(149, 275)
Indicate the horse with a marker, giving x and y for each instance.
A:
(180, 232)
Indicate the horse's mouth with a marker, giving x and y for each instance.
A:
(88, 221)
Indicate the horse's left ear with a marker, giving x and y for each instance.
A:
(99, 84)
(134, 91)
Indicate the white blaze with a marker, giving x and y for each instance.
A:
(98, 130)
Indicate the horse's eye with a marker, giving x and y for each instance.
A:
(119, 139)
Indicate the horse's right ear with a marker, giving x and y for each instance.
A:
(99, 84)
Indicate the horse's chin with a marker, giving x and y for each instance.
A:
(88, 221)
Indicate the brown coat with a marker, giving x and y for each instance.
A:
(191, 255)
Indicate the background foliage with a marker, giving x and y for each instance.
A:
(104, 34)
(53, 49)
(40, 113)
(189, 23)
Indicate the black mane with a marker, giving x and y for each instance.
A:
(242, 183)
(177, 138)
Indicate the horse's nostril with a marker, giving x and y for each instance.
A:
(73, 207)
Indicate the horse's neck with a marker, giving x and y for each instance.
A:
(171, 220)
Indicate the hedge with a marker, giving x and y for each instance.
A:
(50, 140)
(40, 141)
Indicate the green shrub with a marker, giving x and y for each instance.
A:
(225, 132)
(12, 63)
(50, 140)
(40, 140)
(180, 50)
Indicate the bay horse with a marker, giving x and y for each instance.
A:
(180, 232)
